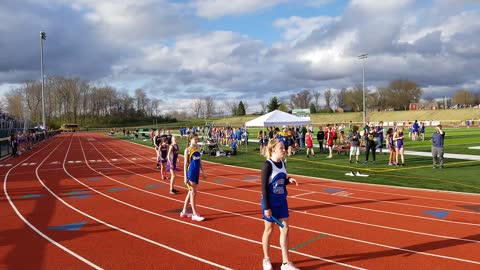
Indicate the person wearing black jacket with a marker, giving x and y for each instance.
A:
(371, 143)
(320, 138)
(13, 144)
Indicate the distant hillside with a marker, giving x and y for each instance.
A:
(452, 116)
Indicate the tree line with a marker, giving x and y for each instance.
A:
(72, 100)
(396, 96)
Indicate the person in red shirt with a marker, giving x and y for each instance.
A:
(309, 143)
(329, 136)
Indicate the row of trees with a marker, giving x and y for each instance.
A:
(76, 101)
(396, 96)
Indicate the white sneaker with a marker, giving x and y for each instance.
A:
(184, 215)
(197, 218)
(289, 266)
(267, 265)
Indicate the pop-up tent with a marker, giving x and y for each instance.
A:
(278, 118)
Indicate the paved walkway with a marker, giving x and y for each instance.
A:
(429, 154)
(446, 155)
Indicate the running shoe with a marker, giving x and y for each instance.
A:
(267, 265)
(197, 218)
(185, 215)
(289, 266)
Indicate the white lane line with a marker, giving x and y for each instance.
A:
(302, 194)
(349, 184)
(181, 201)
(31, 225)
(302, 228)
(414, 205)
(399, 203)
(364, 208)
(189, 255)
(394, 194)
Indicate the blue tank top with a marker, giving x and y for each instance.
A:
(277, 191)
(193, 170)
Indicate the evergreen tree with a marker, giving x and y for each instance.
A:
(312, 108)
(241, 109)
(273, 104)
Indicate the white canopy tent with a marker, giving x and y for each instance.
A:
(278, 118)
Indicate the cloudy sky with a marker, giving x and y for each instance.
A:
(246, 50)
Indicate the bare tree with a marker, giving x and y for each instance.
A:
(328, 99)
(341, 98)
(355, 98)
(209, 104)
(316, 97)
(32, 92)
(155, 106)
(463, 97)
(140, 97)
(301, 100)
(2, 104)
(15, 103)
(381, 98)
(263, 107)
(245, 105)
(403, 93)
(197, 108)
(232, 106)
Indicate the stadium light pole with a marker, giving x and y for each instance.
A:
(363, 57)
(43, 36)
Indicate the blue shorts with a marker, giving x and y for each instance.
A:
(279, 210)
(193, 177)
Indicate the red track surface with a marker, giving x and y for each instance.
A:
(132, 222)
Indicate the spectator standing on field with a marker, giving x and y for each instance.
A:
(379, 130)
(437, 140)
(391, 147)
(354, 139)
(371, 144)
(320, 138)
(422, 131)
(13, 144)
(398, 138)
(309, 143)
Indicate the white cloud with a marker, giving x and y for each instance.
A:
(298, 28)
(215, 9)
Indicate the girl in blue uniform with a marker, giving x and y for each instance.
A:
(192, 167)
(274, 201)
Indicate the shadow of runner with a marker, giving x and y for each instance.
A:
(407, 251)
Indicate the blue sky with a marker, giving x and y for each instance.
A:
(259, 24)
(247, 50)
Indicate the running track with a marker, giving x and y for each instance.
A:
(84, 200)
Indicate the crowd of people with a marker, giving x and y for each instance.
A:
(347, 138)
